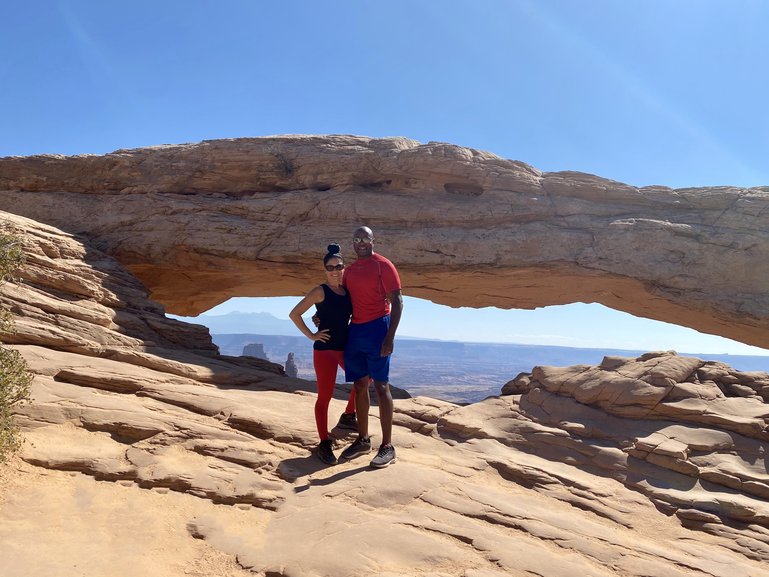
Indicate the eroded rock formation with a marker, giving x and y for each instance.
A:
(200, 223)
(688, 418)
(290, 367)
(147, 453)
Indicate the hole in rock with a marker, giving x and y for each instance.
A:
(463, 354)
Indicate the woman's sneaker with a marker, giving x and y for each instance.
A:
(385, 456)
(325, 453)
(360, 446)
(348, 421)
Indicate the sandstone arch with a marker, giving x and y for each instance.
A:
(199, 223)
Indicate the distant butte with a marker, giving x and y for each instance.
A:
(200, 223)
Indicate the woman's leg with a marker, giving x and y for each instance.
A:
(325, 363)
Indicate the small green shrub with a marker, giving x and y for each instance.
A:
(15, 378)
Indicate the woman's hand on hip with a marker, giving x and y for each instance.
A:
(321, 336)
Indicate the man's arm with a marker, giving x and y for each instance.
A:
(396, 308)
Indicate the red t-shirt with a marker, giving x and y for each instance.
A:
(368, 280)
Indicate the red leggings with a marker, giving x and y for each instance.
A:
(326, 363)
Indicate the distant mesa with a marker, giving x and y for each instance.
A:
(255, 350)
(247, 323)
(201, 223)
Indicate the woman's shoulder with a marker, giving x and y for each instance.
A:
(317, 293)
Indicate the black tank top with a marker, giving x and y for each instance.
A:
(334, 313)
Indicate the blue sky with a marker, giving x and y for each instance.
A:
(652, 92)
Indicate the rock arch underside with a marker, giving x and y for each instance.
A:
(199, 223)
(148, 453)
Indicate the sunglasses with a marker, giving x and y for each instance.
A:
(364, 240)
(333, 267)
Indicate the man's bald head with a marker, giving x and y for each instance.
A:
(364, 230)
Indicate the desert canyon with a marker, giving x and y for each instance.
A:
(148, 453)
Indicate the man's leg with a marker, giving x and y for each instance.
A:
(379, 367)
(385, 410)
(362, 444)
(386, 454)
(362, 404)
(347, 419)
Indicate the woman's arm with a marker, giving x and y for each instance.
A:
(313, 297)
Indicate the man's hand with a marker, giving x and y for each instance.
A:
(387, 347)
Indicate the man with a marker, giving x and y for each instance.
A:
(377, 303)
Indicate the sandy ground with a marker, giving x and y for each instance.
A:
(64, 514)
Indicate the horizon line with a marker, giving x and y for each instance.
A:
(517, 344)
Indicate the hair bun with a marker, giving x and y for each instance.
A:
(334, 248)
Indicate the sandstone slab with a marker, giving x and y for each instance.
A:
(200, 223)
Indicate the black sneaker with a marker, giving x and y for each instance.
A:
(359, 447)
(348, 421)
(325, 453)
(385, 456)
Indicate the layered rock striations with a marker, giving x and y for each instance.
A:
(148, 453)
(693, 435)
(200, 223)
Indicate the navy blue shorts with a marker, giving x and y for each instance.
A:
(362, 353)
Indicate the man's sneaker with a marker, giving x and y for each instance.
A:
(359, 447)
(325, 453)
(348, 421)
(385, 456)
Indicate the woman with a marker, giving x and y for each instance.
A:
(334, 309)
